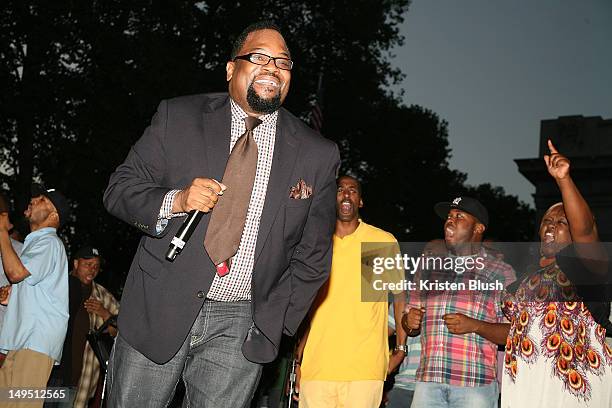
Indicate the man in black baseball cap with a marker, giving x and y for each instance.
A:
(59, 201)
(470, 317)
(37, 302)
(90, 305)
(466, 221)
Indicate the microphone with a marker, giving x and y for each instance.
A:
(183, 234)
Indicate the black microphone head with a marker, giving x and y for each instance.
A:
(172, 252)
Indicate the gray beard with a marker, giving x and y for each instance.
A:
(261, 105)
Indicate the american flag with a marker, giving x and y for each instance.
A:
(316, 113)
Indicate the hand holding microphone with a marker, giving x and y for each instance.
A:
(198, 198)
(201, 195)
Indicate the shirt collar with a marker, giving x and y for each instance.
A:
(352, 234)
(40, 232)
(481, 253)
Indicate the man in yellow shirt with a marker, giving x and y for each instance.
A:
(344, 354)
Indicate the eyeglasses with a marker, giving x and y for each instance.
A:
(263, 59)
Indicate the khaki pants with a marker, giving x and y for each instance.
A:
(24, 369)
(341, 394)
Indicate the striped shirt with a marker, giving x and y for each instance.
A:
(466, 360)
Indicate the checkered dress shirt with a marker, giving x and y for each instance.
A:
(236, 285)
(466, 360)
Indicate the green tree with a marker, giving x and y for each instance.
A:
(511, 219)
(404, 168)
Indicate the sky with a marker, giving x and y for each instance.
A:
(495, 69)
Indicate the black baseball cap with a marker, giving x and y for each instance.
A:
(87, 252)
(468, 204)
(60, 202)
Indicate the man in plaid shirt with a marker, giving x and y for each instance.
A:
(458, 322)
(90, 305)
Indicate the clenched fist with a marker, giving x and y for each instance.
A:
(202, 195)
(5, 223)
(5, 294)
(458, 323)
(412, 320)
(93, 305)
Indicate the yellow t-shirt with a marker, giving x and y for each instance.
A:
(348, 339)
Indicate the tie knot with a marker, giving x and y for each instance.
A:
(251, 122)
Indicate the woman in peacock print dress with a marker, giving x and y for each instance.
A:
(556, 354)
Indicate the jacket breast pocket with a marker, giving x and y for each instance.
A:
(296, 214)
(299, 202)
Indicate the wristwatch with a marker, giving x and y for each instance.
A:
(401, 347)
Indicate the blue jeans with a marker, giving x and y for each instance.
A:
(211, 363)
(437, 395)
(399, 398)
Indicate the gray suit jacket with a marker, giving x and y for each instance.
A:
(189, 137)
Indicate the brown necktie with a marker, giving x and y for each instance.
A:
(229, 214)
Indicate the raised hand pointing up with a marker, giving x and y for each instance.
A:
(558, 165)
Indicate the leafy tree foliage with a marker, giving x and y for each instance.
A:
(81, 80)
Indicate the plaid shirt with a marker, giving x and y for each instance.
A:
(91, 367)
(466, 360)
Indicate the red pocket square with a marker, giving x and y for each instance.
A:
(300, 191)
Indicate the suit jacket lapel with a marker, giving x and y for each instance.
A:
(217, 132)
(286, 147)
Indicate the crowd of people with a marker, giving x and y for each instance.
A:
(47, 311)
(266, 240)
(551, 328)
